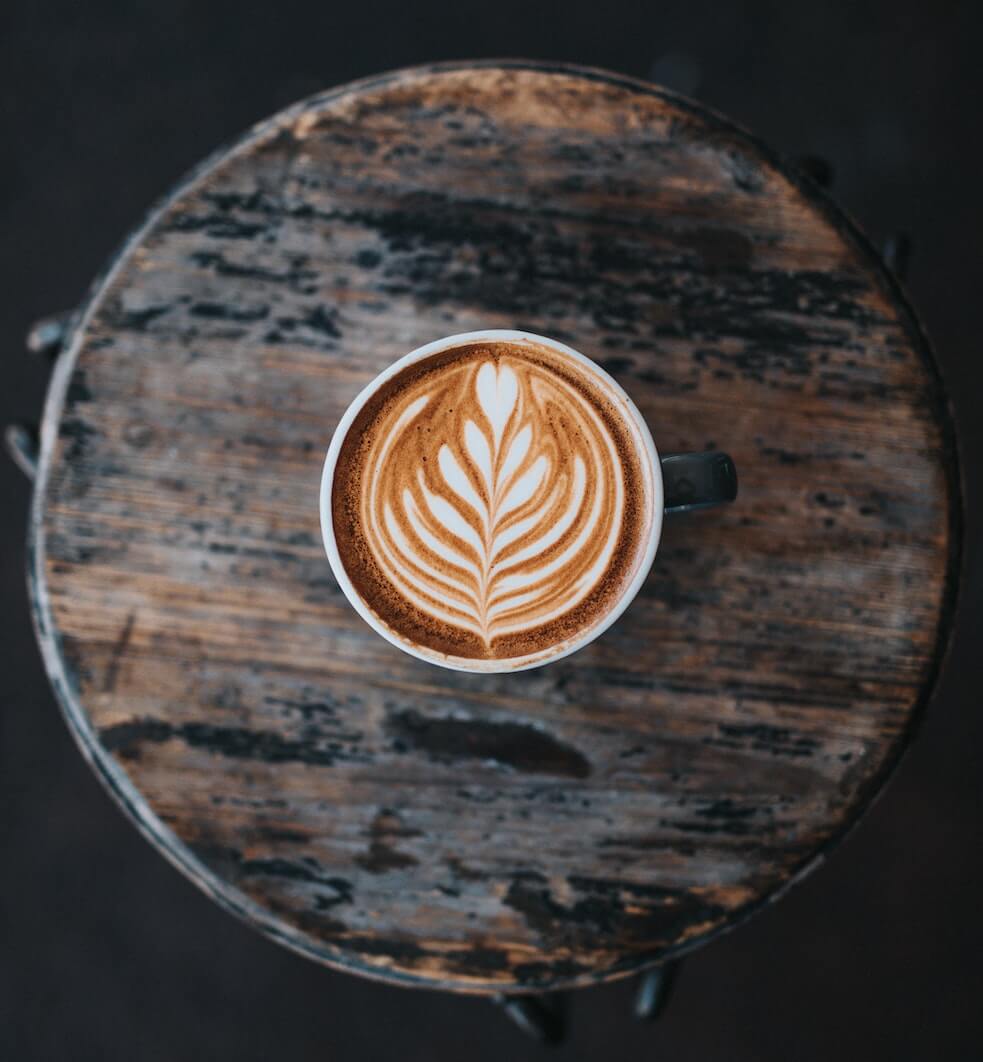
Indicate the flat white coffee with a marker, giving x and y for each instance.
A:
(492, 501)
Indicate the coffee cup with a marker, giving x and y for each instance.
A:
(493, 501)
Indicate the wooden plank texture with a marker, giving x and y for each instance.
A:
(489, 832)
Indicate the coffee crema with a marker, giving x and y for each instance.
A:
(492, 501)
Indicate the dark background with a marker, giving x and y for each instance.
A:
(106, 952)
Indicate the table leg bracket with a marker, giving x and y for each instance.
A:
(46, 339)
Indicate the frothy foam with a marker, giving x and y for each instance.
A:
(490, 501)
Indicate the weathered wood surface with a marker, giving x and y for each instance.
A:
(485, 832)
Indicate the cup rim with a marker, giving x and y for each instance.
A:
(466, 664)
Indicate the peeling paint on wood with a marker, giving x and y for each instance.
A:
(490, 833)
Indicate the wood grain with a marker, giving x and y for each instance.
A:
(554, 827)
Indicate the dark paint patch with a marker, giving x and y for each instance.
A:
(478, 959)
(761, 737)
(402, 950)
(321, 319)
(368, 259)
(389, 823)
(215, 226)
(119, 650)
(633, 914)
(278, 834)
(381, 858)
(126, 738)
(721, 249)
(382, 855)
(615, 366)
(140, 320)
(79, 434)
(518, 746)
(530, 974)
(464, 872)
(295, 276)
(78, 391)
(342, 890)
(217, 311)
(237, 743)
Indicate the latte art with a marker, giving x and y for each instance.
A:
(506, 518)
(489, 502)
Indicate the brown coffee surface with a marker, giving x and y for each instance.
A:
(492, 501)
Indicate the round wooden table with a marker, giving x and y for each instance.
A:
(494, 833)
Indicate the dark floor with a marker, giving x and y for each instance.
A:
(106, 952)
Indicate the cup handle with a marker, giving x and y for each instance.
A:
(697, 481)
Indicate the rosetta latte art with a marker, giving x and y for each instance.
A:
(492, 496)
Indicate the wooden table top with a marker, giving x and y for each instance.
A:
(494, 832)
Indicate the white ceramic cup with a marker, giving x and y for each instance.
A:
(697, 498)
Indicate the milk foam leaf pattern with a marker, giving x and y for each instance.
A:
(500, 497)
